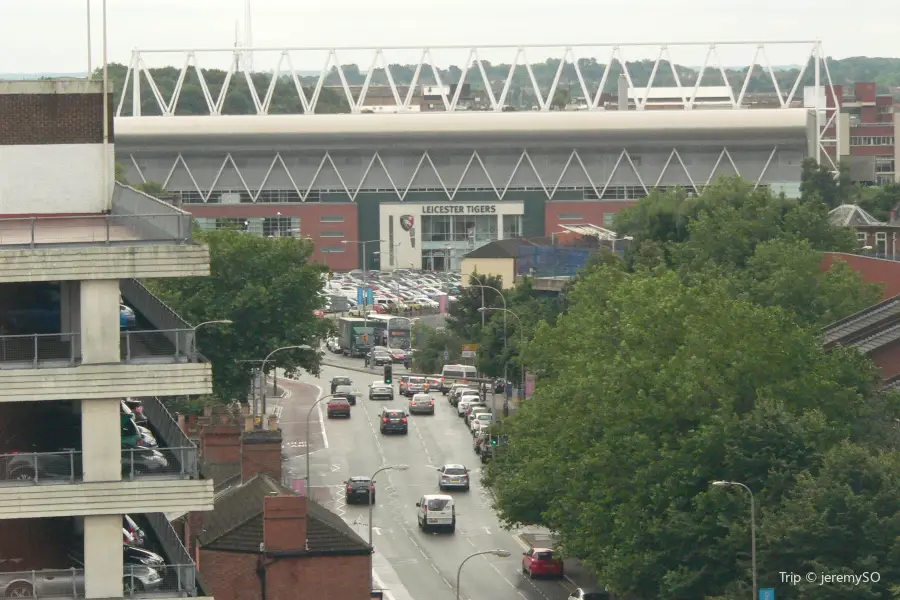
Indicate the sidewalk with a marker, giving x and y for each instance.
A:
(575, 572)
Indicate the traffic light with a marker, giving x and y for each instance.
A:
(388, 373)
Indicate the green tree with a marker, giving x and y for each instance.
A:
(649, 388)
(269, 289)
(817, 182)
(431, 344)
(465, 319)
(879, 201)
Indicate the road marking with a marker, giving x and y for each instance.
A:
(377, 530)
(487, 530)
(436, 570)
(522, 542)
(335, 468)
(422, 552)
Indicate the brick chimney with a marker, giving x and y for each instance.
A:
(220, 444)
(261, 453)
(284, 523)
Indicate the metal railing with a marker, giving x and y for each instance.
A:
(112, 229)
(159, 580)
(166, 463)
(43, 349)
(150, 218)
(177, 343)
(40, 467)
(171, 434)
(169, 541)
(44, 583)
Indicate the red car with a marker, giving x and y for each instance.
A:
(338, 407)
(540, 562)
(381, 309)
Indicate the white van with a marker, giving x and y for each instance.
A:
(451, 374)
(436, 510)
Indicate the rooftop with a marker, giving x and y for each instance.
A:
(508, 248)
(608, 127)
(236, 522)
(851, 215)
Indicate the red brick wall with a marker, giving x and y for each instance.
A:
(261, 453)
(34, 119)
(311, 224)
(221, 444)
(888, 359)
(233, 576)
(590, 211)
(872, 270)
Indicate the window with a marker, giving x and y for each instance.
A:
(332, 234)
(880, 243)
(872, 140)
(862, 238)
(437, 503)
(280, 226)
(570, 217)
(463, 228)
(609, 220)
(331, 219)
(884, 164)
(512, 226)
(435, 260)
(190, 196)
(278, 196)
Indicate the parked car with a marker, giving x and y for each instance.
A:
(421, 404)
(360, 489)
(148, 440)
(127, 318)
(539, 562)
(338, 407)
(137, 534)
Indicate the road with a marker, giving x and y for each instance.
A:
(425, 564)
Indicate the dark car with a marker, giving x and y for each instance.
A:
(360, 489)
(346, 391)
(338, 407)
(380, 357)
(394, 421)
(336, 381)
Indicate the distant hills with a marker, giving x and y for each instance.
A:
(20, 76)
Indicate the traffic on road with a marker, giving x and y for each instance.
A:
(430, 511)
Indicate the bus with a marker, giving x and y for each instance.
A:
(392, 331)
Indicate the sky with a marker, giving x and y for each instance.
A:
(49, 36)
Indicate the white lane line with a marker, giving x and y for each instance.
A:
(422, 552)
(321, 417)
(436, 570)
(521, 542)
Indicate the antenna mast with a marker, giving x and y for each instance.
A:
(248, 36)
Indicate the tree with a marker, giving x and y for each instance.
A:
(431, 344)
(465, 319)
(269, 289)
(879, 201)
(651, 387)
(817, 182)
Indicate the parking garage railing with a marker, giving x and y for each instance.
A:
(39, 350)
(162, 343)
(170, 433)
(40, 467)
(44, 583)
(111, 229)
(165, 463)
(149, 581)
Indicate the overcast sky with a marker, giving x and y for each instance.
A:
(50, 35)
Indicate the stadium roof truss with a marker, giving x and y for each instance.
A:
(500, 182)
(810, 56)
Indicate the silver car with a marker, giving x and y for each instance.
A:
(421, 404)
(453, 476)
(381, 391)
(66, 583)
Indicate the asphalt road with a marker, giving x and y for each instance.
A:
(424, 564)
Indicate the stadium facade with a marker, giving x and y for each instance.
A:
(432, 186)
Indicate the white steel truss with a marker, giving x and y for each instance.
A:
(569, 56)
(499, 183)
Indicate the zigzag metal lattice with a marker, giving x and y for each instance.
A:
(426, 164)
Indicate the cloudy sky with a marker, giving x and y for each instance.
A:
(50, 35)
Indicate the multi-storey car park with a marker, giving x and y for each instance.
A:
(432, 185)
(72, 243)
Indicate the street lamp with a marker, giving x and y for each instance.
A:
(204, 323)
(263, 370)
(369, 495)
(365, 271)
(498, 552)
(729, 484)
(615, 239)
(505, 310)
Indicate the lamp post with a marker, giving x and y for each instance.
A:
(263, 371)
(616, 239)
(371, 487)
(90, 72)
(497, 552)
(505, 343)
(203, 324)
(308, 416)
(729, 484)
(482, 286)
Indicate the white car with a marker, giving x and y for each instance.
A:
(481, 420)
(464, 402)
(436, 510)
